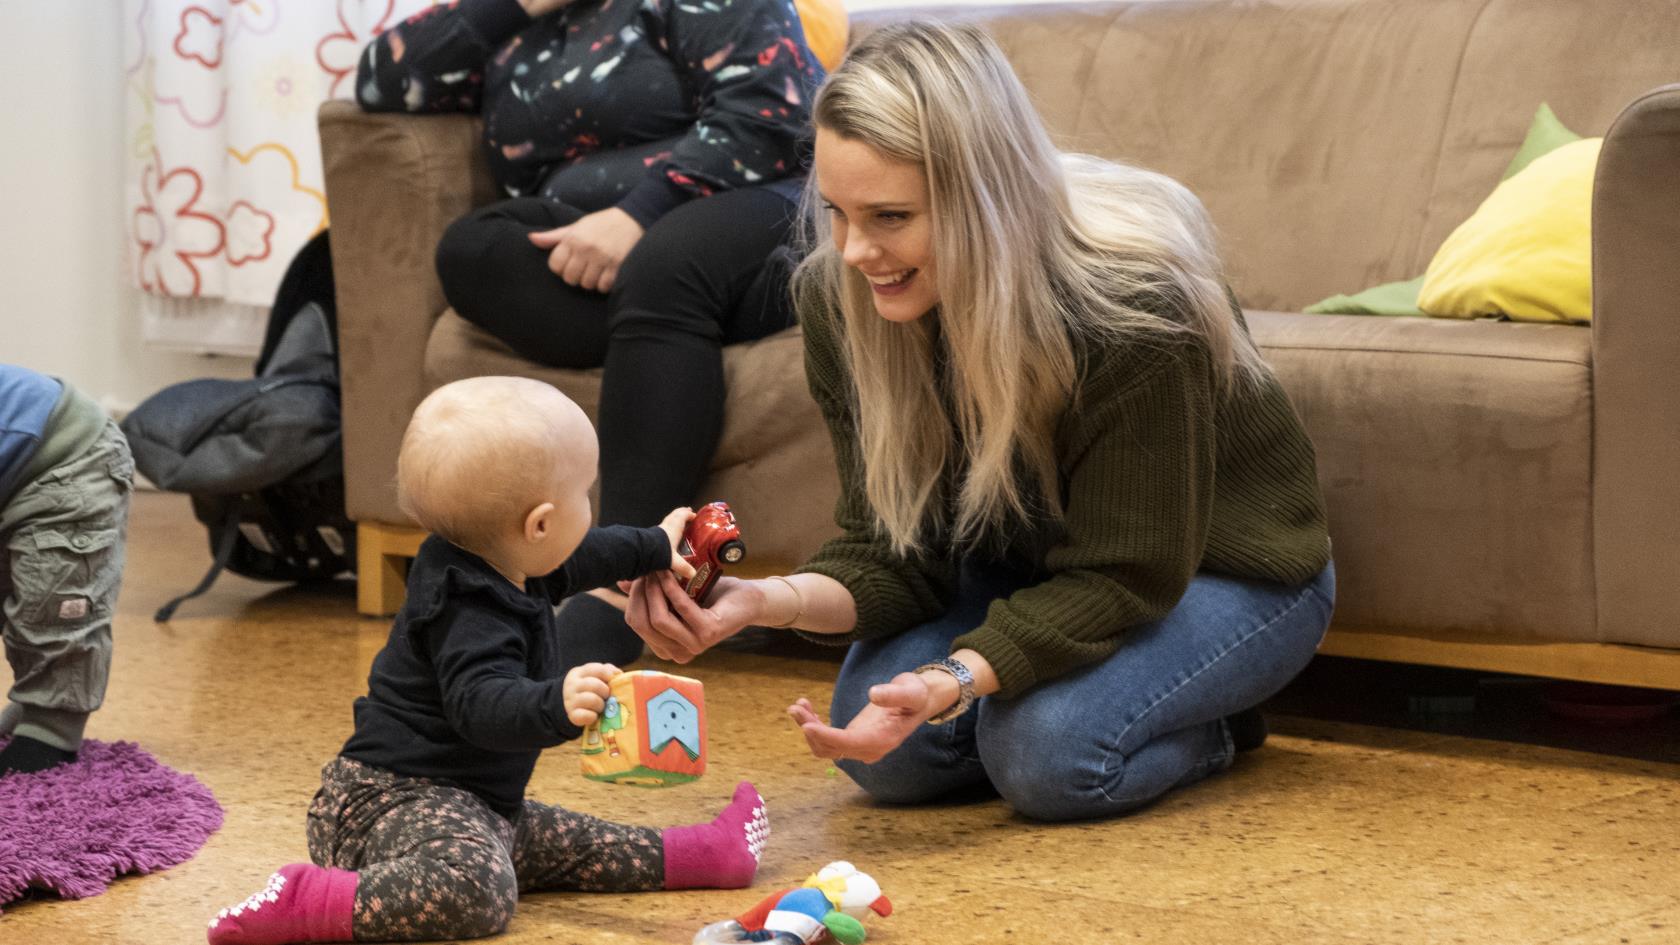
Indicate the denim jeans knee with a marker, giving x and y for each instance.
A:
(1024, 749)
(1114, 736)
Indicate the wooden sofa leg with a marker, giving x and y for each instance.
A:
(382, 555)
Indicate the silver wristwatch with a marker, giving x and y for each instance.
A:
(965, 687)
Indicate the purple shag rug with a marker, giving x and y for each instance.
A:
(74, 828)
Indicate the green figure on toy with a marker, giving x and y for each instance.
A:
(612, 720)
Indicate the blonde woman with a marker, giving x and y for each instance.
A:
(1083, 537)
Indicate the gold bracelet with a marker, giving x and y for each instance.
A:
(799, 599)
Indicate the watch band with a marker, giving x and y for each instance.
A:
(965, 687)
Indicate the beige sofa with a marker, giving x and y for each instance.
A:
(1502, 496)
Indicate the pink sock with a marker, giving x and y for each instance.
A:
(722, 854)
(301, 903)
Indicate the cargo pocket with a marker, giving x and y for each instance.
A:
(67, 577)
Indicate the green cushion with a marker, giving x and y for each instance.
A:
(1390, 298)
(1545, 135)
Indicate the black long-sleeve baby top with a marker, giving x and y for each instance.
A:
(468, 689)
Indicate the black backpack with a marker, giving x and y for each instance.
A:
(262, 459)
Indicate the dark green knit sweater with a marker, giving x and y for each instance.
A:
(1159, 481)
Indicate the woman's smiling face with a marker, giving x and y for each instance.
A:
(879, 211)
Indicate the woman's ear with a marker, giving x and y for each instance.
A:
(538, 522)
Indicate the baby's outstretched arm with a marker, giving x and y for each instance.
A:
(585, 691)
(613, 553)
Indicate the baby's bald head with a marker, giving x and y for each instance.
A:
(482, 452)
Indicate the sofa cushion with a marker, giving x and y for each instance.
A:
(1455, 459)
(1527, 250)
(773, 463)
(1390, 298)
(1546, 133)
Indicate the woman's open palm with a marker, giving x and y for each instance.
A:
(895, 709)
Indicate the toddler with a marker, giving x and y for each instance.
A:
(65, 479)
(421, 829)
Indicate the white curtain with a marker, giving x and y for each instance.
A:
(224, 163)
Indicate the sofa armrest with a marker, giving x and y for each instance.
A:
(394, 182)
(1636, 374)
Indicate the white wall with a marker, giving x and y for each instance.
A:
(65, 305)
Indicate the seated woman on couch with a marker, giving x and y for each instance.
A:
(606, 122)
(1083, 537)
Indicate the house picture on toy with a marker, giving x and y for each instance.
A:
(651, 733)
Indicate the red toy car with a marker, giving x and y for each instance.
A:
(711, 541)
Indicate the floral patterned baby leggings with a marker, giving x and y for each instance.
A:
(435, 862)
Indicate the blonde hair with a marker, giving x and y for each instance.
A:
(480, 453)
(1033, 248)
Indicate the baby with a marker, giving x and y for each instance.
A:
(421, 829)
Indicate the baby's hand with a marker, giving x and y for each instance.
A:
(585, 691)
(674, 524)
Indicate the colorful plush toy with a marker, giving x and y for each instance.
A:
(833, 901)
(652, 731)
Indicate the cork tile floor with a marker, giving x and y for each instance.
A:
(1333, 832)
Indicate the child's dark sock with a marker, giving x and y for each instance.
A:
(722, 854)
(26, 755)
(301, 903)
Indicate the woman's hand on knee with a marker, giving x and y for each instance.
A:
(588, 253)
(677, 628)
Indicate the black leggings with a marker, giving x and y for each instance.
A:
(701, 277)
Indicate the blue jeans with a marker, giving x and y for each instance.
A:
(1107, 738)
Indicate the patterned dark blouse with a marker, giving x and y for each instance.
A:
(643, 104)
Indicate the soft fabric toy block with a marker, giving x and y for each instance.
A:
(651, 733)
(832, 902)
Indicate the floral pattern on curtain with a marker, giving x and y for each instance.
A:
(224, 162)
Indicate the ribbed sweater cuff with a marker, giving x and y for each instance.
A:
(879, 611)
(495, 21)
(1014, 670)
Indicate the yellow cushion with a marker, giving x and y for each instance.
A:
(825, 29)
(1526, 253)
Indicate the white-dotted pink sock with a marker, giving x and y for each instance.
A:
(722, 854)
(301, 903)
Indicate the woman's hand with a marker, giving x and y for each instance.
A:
(587, 253)
(895, 709)
(676, 628)
(585, 691)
